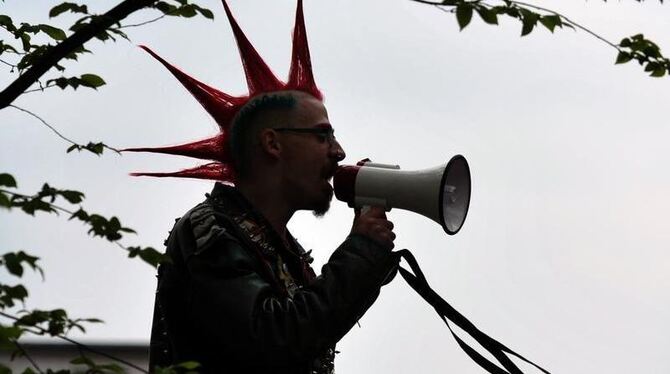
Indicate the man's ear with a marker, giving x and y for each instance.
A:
(269, 143)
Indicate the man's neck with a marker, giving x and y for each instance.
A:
(269, 203)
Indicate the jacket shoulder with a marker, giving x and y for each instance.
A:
(204, 226)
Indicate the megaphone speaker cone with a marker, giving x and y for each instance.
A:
(455, 197)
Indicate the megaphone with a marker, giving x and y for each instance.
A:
(441, 193)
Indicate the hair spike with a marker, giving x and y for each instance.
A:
(214, 171)
(259, 76)
(206, 149)
(223, 107)
(300, 74)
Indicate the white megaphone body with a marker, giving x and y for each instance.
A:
(441, 193)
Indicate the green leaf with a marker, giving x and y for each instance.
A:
(148, 255)
(550, 22)
(54, 32)
(6, 47)
(58, 9)
(165, 8)
(657, 73)
(96, 148)
(5, 202)
(652, 66)
(487, 15)
(7, 180)
(6, 21)
(119, 33)
(64, 7)
(625, 42)
(529, 20)
(204, 11)
(528, 26)
(10, 332)
(81, 215)
(8, 294)
(72, 148)
(14, 262)
(652, 50)
(103, 35)
(25, 42)
(73, 197)
(187, 11)
(623, 57)
(91, 80)
(464, 15)
(33, 205)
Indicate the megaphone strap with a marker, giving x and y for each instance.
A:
(447, 313)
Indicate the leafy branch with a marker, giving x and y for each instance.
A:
(95, 148)
(37, 59)
(637, 47)
(183, 10)
(25, 354)
(110, 229)
(55, 323)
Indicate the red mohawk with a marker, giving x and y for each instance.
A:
(223, 107)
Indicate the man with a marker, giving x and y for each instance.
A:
(239, 295)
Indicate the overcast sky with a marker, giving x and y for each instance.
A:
(564, 255)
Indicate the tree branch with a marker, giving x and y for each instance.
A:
(67, 46)
(56, 131)
(80, 345)
(27, 356)
(7, 63)
(143, 23)
(583, 28)
(45, 124)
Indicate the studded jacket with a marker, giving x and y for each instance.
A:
(237, 299)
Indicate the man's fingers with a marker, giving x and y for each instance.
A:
(373, 211)
(371, 221)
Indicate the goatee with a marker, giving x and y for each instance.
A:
(323, 207)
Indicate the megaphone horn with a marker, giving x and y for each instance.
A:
(441, 193)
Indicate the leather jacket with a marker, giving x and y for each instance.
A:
(236, 299)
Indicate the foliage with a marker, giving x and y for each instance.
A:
(22, 53)
(44, 200)
(636, 47)
(646, 53)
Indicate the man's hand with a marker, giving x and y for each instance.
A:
(371, 221)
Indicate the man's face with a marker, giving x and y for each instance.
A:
(309, 159)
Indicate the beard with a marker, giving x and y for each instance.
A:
(323, 206)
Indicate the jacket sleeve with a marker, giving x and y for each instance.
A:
(233, 307)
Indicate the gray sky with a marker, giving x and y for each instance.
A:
(563, 256)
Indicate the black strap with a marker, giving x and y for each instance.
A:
(447, 313)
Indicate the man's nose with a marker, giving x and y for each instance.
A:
(336, 151)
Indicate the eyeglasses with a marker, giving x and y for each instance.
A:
(322, 133)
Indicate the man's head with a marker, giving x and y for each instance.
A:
(284, 140)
